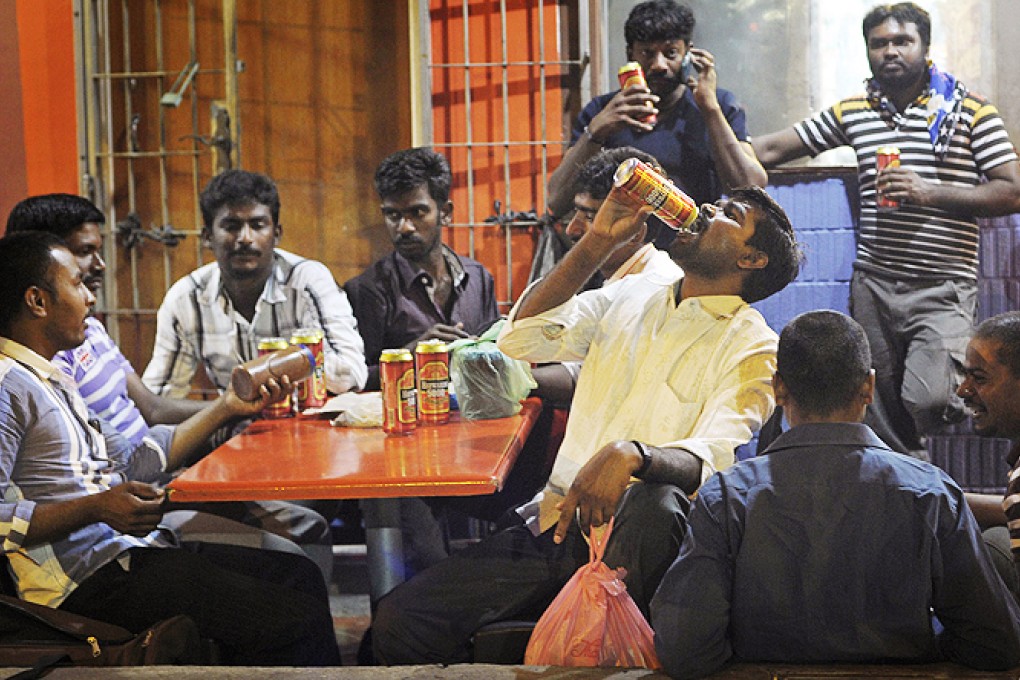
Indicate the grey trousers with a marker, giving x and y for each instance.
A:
(918, 331)
(515, 575)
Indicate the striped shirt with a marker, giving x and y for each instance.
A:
(913, 241)
(50, 452)
(100, 371)
(198, 325)
(1011, 502)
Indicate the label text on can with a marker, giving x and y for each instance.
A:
(311, 393)
(283, 408)
(885, 157)
(396, 378)
(432, 359)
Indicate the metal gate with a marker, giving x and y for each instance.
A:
(506, 78)
(158, 113)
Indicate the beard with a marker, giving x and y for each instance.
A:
(664, 85)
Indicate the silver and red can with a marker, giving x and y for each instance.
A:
(644, 186)
(396, 378)
(285, 407)
(311, 392)
(632, 74)
(432, 367)
(885, 157)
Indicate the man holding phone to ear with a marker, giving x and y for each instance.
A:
(699, 135)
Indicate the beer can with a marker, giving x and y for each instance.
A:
(632, 74)
(885, 157)
(643, 185)
(285, 407)
(311, 393)
(432, 366)
(396, 378)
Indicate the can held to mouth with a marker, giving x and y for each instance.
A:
(632, 74)
(432, 366)
(886, 157)
(396, 378)
(285, 407)
(644, 186)
(311, 393)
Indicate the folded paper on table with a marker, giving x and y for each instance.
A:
(352, 409)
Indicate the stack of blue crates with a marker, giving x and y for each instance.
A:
(823, 206)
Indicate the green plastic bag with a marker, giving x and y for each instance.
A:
(488, 383)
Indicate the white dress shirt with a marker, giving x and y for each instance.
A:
(695, 376)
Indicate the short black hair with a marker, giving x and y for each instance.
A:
(25, 261)
(405, 170)
(774, 236)
(60, 214)
(596, 176)
(238, 188)
(1004, 329)
(823, 359)
(659, 20)
(903, 12)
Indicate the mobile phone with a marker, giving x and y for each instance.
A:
(687, 70)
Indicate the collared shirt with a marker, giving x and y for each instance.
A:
(831, 548)
(695, 376)
(647, 258)
(393, 303)
(100, 371)
(913, 241)
(197, 325)
(49, 452)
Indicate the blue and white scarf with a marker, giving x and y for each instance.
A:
(945, 101)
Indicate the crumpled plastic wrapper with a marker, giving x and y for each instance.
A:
(353, 409)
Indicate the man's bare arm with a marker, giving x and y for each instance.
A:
(131, 508)
(156, 409)
(780, 147)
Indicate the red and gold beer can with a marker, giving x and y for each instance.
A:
(886, 157)
(283, 408)
(432, 366)
(311, 393)
(396, 378)
(631, 74)
(644, 186)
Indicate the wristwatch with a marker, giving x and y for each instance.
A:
(646, 458)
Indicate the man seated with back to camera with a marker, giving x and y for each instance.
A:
(81, 517)
(831, 547)
(676, 375)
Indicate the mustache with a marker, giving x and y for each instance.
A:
(242, 252)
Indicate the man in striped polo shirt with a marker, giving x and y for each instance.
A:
(914, 286)
(989, 389)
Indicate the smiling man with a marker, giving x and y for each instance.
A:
(677, 370)
(914, 287)
(422, 290)
(989, 390)
(700, 132)
(215, 316)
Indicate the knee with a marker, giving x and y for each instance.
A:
(390, 634)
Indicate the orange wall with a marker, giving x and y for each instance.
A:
(39, 105)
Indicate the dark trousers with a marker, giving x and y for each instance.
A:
(515, 575)
(264, 608)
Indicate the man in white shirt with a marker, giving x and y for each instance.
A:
(677, 373)
(215, 316)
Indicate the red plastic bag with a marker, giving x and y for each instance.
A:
(593, 621)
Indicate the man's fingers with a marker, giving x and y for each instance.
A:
(567, 509)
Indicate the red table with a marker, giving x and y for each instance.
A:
(307, 459)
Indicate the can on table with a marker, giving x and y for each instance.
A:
(396, 378)
(432, 366)
(643, 185)
(632, 74)
(886, 157)
(311, 393)
(285, 407)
